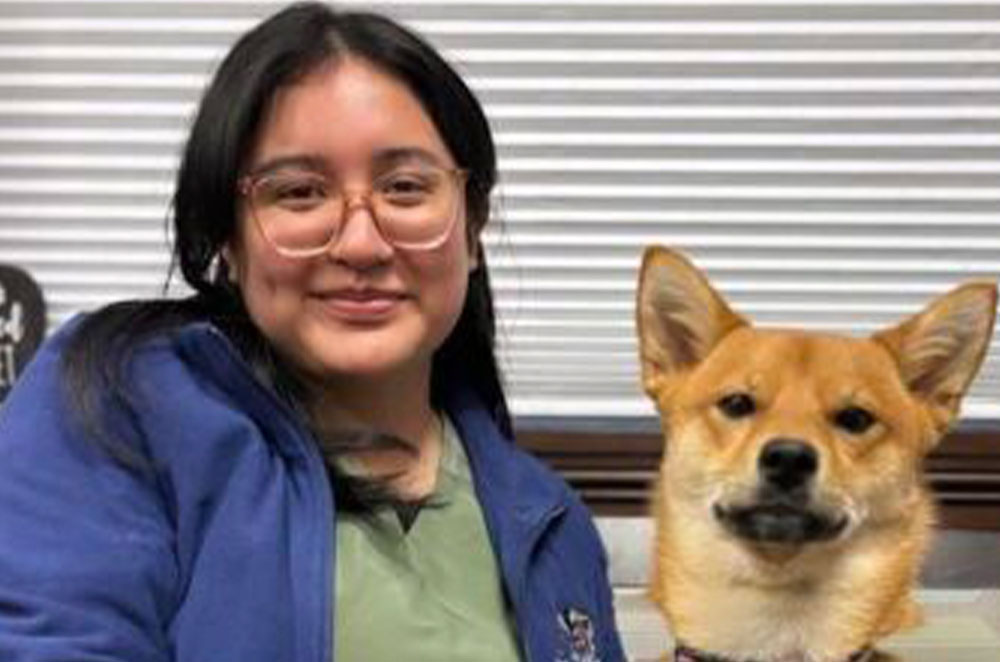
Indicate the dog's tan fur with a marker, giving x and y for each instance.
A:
(796, 602)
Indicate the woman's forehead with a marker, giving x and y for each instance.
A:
(349, 114)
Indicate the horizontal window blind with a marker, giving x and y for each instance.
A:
(833, 164)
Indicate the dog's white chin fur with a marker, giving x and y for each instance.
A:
(766, 599)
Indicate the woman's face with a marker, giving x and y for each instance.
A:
(362, 309)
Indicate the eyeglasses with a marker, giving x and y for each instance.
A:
(303, 213)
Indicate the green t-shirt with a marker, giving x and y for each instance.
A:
(429, 594)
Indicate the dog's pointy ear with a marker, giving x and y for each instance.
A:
(679, 316)
(940, 349)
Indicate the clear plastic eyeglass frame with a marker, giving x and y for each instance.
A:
(350, 200)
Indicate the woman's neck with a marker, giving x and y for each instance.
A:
(400, 406)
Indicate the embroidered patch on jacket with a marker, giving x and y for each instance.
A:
(577, 630)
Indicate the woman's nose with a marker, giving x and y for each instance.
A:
(360, 243)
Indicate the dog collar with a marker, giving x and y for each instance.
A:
(686, 654)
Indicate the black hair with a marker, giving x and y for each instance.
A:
(277, 53)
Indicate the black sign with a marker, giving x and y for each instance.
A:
(22, 323)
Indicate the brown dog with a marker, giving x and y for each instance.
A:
(791, 514)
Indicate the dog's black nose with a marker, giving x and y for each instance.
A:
(787, 463)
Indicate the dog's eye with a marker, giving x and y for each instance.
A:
(854, 420)
(737, 405)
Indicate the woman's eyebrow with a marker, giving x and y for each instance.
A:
(309, 162)
(394, 155)
(385, 158)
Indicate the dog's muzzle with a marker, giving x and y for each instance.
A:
(782, 510)
(779, 522)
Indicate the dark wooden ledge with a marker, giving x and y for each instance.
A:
(612, 462)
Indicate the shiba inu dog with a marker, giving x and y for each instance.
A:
(791, 513)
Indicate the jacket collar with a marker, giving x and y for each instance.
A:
(502, 472)
(510, 485)
(209, 349)
(519, 497)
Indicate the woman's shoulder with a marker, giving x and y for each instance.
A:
(178, 394)
(133, 358)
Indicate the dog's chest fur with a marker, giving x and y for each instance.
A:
(772, 630)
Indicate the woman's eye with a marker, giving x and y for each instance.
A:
(301, 191)
(294, 193)
(406, 188)
(855, 420)
(737, 405)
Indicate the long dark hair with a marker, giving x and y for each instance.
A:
(279, 52)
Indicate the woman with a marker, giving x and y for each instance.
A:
(309, 458)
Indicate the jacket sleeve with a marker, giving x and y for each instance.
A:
(87, 571)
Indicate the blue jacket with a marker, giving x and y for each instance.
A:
(224, 551)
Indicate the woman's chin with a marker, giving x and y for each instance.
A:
(364, 354)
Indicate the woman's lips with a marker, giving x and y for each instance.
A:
(361, 306)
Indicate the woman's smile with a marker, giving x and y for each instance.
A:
(361, 305)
